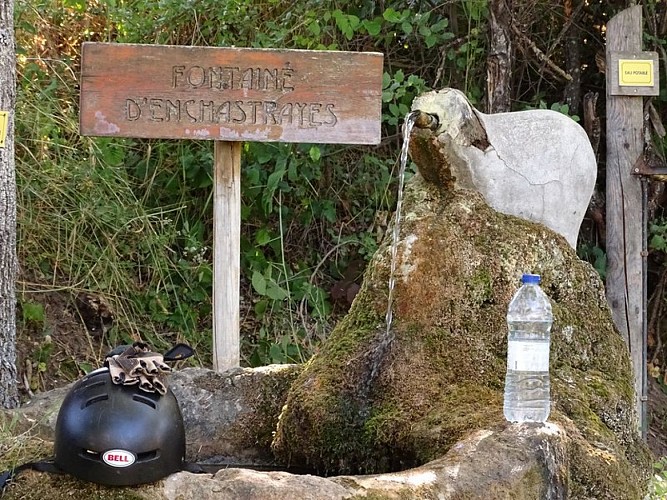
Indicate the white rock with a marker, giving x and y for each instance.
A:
(537, 164)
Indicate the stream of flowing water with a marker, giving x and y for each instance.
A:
(408, 125)
(386, 337)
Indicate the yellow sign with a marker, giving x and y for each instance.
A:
(635, 72)
(4, 120)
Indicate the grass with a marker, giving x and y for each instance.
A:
(82, 228)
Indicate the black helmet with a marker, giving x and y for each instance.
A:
(118, 435)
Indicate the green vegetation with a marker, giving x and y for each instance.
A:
(658, 483)
(130, 219)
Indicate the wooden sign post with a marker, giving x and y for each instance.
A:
(229, 95)
(631, 74)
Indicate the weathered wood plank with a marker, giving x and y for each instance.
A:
(231, 94)
(227, 254)
(624, 210)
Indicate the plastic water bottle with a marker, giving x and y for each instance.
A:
(529, 319)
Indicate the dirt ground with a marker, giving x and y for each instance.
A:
(54, 345)
(69, 340)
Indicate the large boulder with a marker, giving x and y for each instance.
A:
(523, 462)
(376, 400)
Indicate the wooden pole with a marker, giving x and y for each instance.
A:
(624, 208)
(226, 254)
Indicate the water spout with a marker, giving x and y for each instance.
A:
(425, 120)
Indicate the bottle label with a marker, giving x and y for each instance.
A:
(528, 356)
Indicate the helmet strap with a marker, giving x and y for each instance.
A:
(40, 466)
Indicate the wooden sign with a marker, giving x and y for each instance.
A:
(230, 94)
(634, 73)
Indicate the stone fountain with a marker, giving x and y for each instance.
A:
(421, 417)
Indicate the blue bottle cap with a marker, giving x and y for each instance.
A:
(533, 279)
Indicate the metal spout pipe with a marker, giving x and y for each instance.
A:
(426, 120)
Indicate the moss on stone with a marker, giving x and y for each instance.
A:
(257, 426)
(365, 404)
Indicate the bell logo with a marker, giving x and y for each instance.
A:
(118, 458)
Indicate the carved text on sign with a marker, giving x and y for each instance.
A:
(246, 112)
(300, 114)
(130, 90)
(232, 78)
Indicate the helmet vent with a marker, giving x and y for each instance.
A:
(144, 400)
(95, 382)
(147, 455)
(96, 399)
(89, 455)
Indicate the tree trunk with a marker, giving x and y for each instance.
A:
(499, 62)
(8, 261)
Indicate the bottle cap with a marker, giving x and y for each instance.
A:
(533, 279)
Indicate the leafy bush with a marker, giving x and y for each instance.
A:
(131, 219)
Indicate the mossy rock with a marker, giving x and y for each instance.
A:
(375, 400)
